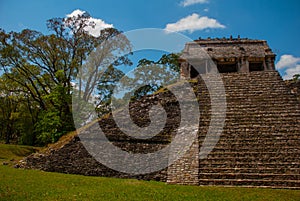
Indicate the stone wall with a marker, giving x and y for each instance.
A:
(228, 54)
(73, 158)
(294, 87)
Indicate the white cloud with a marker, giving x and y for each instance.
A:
(99, 24)
(75, 13)
(291, 65)
(287, 61)
(192, 2)
(192, 23)
(290, 72)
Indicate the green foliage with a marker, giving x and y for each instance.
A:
(13, 153)
(36, 88)
(48, 128)
(296, 77)
(169, 60)
(27, 135)
(18, 184)
(106, 85)
(165, 71)
(15, 117)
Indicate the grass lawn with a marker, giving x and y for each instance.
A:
(12, 153)
(19, 184)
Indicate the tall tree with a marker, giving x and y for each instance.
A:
(17, 113)
(44, 67)
(163, 71)
(106, 85)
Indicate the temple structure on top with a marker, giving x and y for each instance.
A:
(226, 55)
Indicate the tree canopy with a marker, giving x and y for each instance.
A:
(41, 74)
(38, 74)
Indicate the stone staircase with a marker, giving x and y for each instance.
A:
(260, 142)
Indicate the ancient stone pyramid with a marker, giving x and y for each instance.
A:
(259, 144)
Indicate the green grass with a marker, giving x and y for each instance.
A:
(12, 153)
(20, 184)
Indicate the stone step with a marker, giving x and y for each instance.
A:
(227, 148)
(251, 141)
(295, 150)
(254, 164)
(243, 135)
(257, 142)
(251, 182)
(260, 176)
(275, 170)
(252, 154)
(260, 149)
(248, 160)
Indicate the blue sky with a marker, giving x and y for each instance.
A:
(276, 21)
